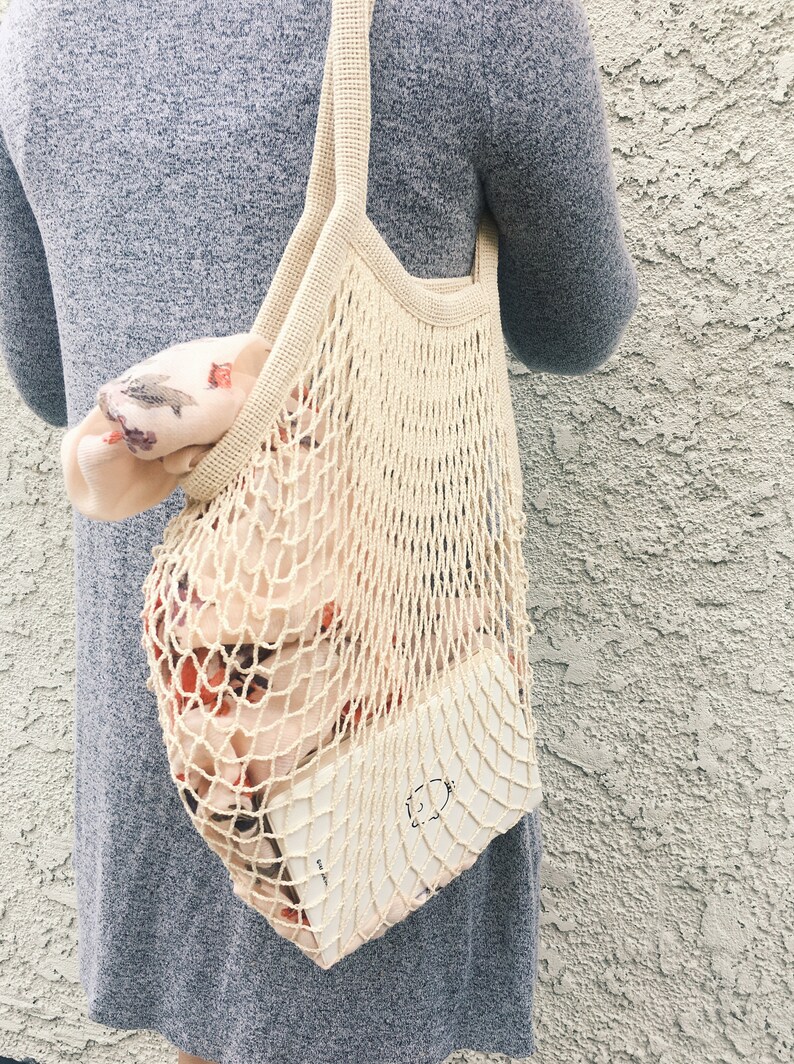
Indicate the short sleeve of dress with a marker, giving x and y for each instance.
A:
(567, 284)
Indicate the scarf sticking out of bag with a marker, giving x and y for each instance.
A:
(154, 423)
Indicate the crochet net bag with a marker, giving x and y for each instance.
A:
(335, 623)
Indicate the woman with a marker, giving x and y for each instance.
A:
(153, 165)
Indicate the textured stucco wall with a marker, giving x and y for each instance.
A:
(660, 502)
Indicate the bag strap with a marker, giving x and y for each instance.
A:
(323, 186)
(348, 135)
(352, 99)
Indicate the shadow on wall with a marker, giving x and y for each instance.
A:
(9, 1060)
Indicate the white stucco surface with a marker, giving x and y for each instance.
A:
(660, 496)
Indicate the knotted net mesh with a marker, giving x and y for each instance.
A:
(338, 639)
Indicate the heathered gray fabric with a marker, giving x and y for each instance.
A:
(156, 161)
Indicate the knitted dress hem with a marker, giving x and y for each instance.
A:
(166, 1027)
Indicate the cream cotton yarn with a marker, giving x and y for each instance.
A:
(355, 538)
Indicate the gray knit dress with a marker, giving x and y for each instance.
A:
(153, 163)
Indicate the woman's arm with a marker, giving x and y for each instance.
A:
(566, 282)
(28, 327)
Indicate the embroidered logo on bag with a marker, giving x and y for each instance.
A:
(428, 800)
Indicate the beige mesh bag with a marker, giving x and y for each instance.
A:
(336, 623)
